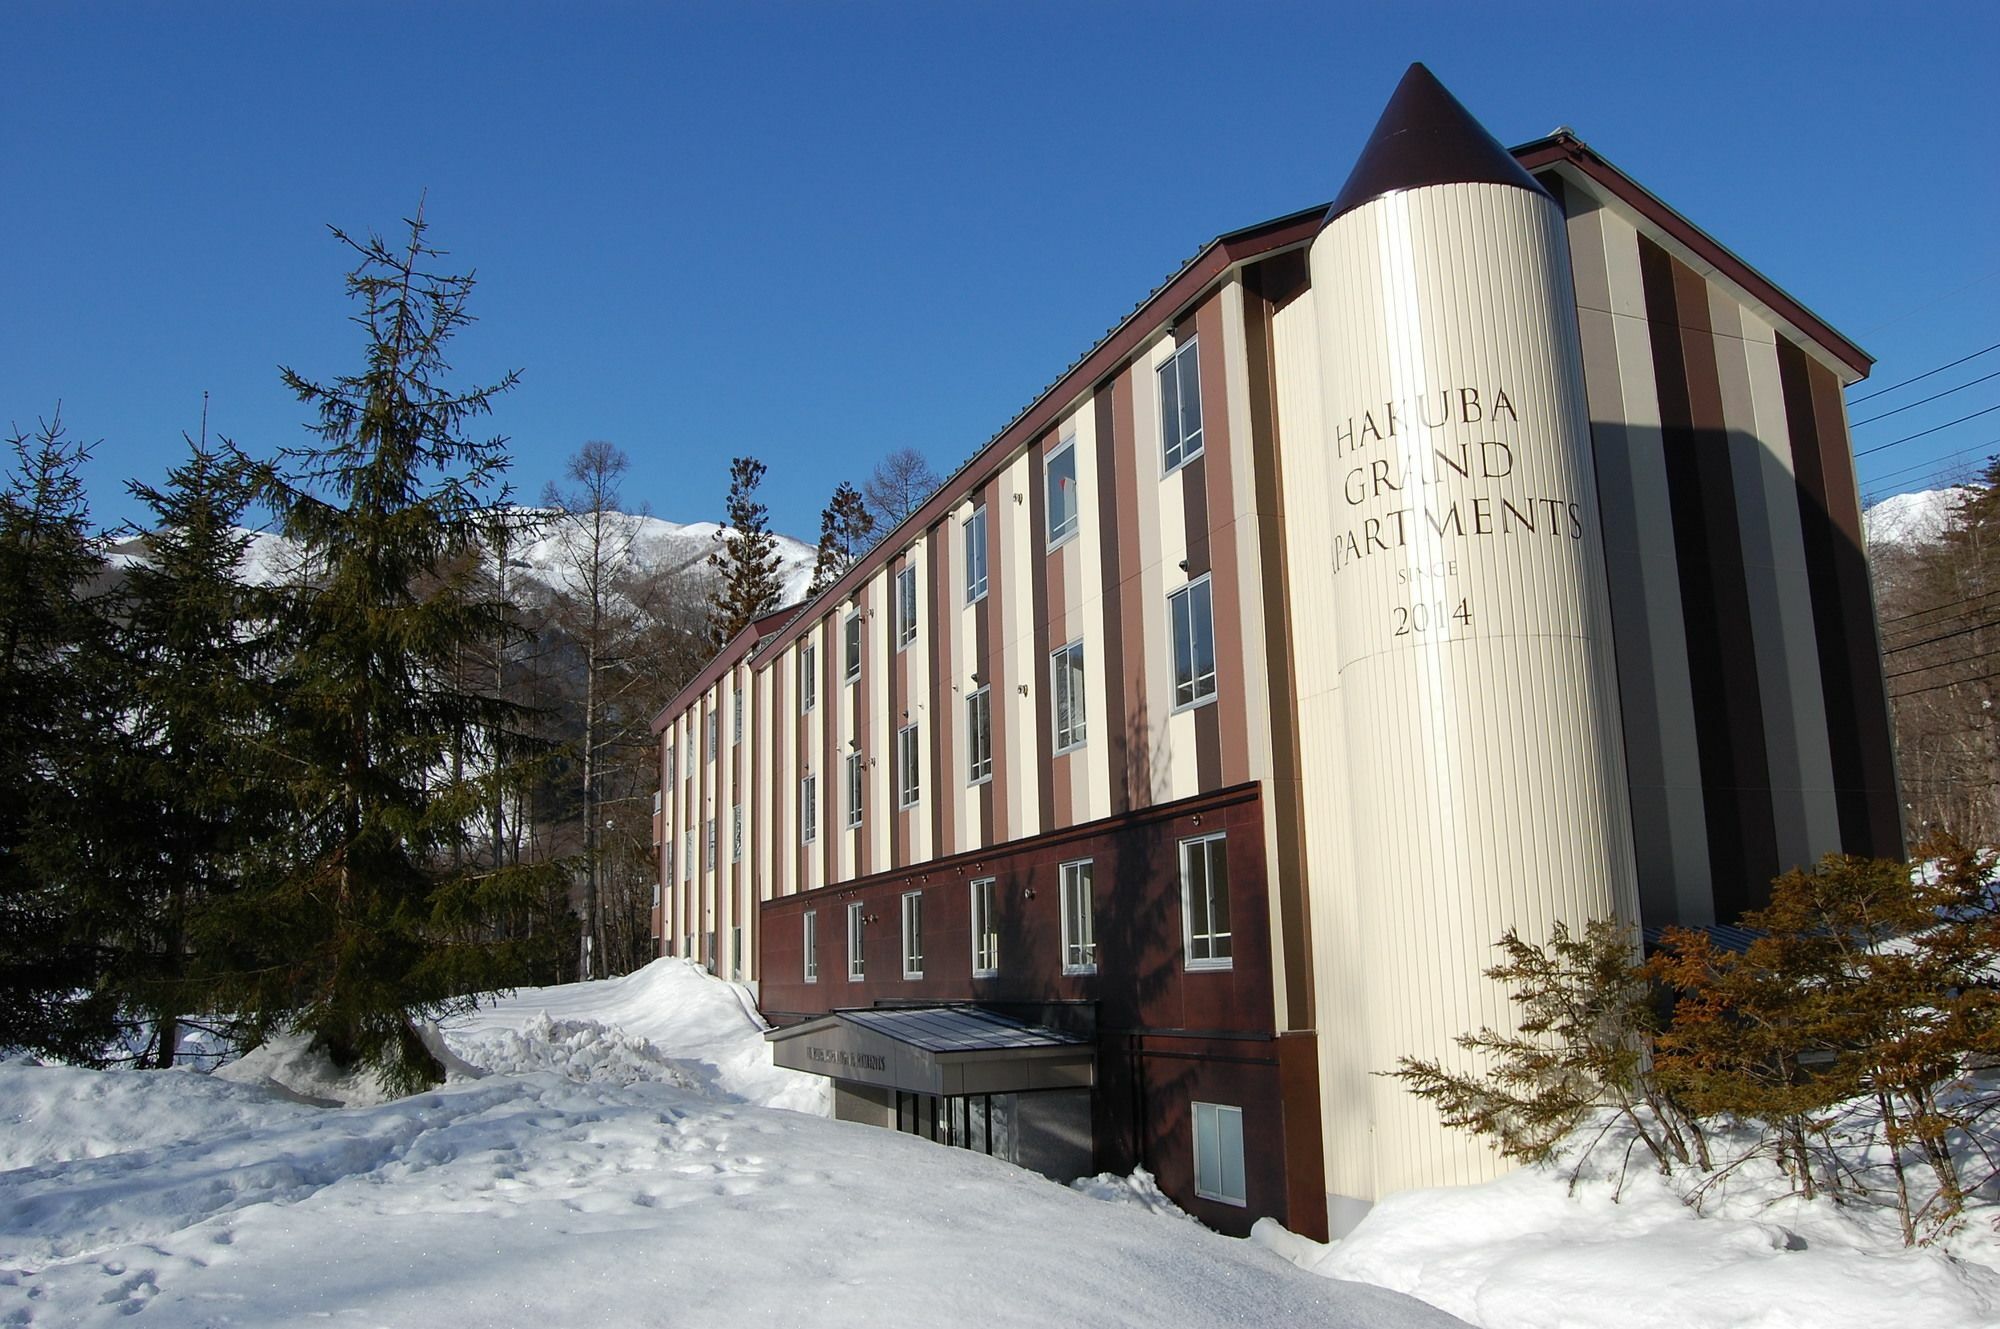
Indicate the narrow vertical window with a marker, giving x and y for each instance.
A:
(808, 810)
(1218, 1153)
(906, 607)
(673, 765)
(1066, 696)
(809, 946)
(713, 718)
(1061, 476)
(979, 736)
(1180, 407)
(1079, 918)
(1193, 626)
(913, 934)
(1205, 902)
(975, 555)
(687, 860)
(708, 862)
(851, 630)
(736, 836)
(853, 790)
(909, 785)
(808, 677)
(736, 953)
(736, 724)
(985, 930)
(856, 968)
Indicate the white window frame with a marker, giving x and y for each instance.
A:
(975, 555)
(736, 724)
(1064, 532)
(850, 639)
(808, 809)
(978, 755)
(809, 962)
(1211, 940)
(983, 895)
(714, 730)
(906, 607)
(1078, 880)
(736, 835)
(808, 677)
(1182, 367)
(909, 767)
(736, 952)
(913, 934)
(708, 860)
(857, 960)
(1067, 685)
(668, 866)
(673, 765)
(687, 860)
(855, 786)
(1199, 688)
(1222, 1155)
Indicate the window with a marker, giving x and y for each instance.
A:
(1218, 1153)
(736, 835)
(853, 789)
(1194, 643)
(736, 953)
(1061, 477)
(736, 726)
(975, 555)
(667, 868)
(908, 785)
(855, 966)
(708, 863)
(1079, 918)
(906, 607)
(687, 860)
(1180, 407)
(985, 931)
(808, 677)
(809, 945)
(979, 736)
(913, 934)
(852, 630)
(708, 950)
(712, 719)
(1205, 901)
(1066, 695)
(808, 810)
(673, 765)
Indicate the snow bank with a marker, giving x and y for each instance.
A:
(1139, 1190)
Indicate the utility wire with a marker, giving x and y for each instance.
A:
(1954, 683)
(1942, 664)
(1879, 447)
(1923, 400)
(1856, 401)
(1948, 604)
(1944, 636)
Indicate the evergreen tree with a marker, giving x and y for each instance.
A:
(372, 913)
(845, 528)
(56, 721)
(748, 557)
(195, 780)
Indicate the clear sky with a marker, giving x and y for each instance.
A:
(814, 233)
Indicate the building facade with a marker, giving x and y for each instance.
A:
(1482, 550)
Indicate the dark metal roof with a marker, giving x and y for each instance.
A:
(1721, 935)
(1426, 137)
(956, 1029)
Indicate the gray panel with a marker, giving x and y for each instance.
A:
(1052, 1133)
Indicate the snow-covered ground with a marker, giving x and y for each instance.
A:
(623, 1153)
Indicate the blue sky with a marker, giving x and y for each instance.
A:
(816, 233)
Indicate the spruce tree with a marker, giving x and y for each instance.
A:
(845, 528)
(56, 724)
(373, 914)
(748, 557)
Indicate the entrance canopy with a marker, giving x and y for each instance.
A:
(943, 1050)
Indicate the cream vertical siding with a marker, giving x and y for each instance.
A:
(1484, 767)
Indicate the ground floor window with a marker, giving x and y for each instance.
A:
(913, 935)
(1079, 920)
(985, 931)
(983, 1123)
(1205, 902)
(1218, 1153)
(811, 945)
(736, 953)
(855, 969)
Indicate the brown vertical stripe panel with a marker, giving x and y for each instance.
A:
(1843, 608)
(1194, 513)
(1040, 563)
(1219, 450)
(944, 792)
(900, 714)
(1110, 461)
(1729, 722)
(1135, 771)
(1263, 286)
(801, 762)
(833, 696)
(982, 648)
(1058, 810)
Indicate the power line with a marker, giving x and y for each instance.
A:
(1856, 401)
(1948, 604)
(1944, 636)
(1932, 430)
(1942, 664)
(1964, 457)
(1954, 683)
(1923, 400)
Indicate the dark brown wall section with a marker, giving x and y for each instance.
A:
(1043, 563)
(1109, 462)
(1850, 659)
(983, 658)
(1701, 491)
(944, 792)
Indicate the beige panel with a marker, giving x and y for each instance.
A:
(1152, 755)
(1486, 775)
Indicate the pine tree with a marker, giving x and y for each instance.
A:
(748, 557)
(898, 486)
(373, 914)
(845, 528)
(56, 723)
(195, 777)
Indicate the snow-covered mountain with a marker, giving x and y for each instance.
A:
(1912, 519)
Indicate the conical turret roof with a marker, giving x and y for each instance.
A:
(1425, 137)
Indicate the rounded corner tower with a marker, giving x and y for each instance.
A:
(1484, 776)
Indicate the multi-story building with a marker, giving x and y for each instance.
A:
(1480, 551)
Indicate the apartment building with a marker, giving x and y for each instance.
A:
(1480, 550)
